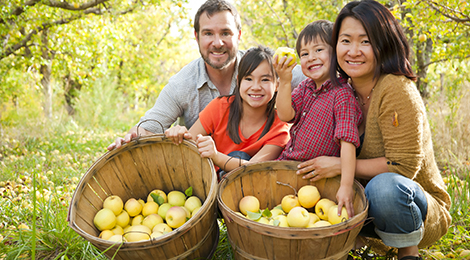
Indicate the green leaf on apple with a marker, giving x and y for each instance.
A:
(276, 222)
(157, 198)
(267, 213)
(278, 207)
(253, 215)
(189, 192)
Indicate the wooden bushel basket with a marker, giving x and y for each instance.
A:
(253, 240)
(133, 171)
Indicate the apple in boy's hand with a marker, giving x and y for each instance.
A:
(285, 51)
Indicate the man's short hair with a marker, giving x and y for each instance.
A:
(215, 6)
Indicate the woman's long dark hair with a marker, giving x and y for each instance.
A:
(390, 46)
(249, 62)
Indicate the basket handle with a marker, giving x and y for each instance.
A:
(146, 120)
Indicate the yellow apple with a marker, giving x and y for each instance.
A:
(276, 212)
(151, 220)
(285, 51)
(263, 220)
(137, 220)
(137, 233)
(192, 203)
(114, 203)
(159, 193)
(321, 223)
(188, 213)
(23, 226)
(163, 209)
(298, 217)
(150, 208)
(104, 219)
(156, 234)
(308, 196)
(333, 217)
(195, 211)
(133, 207)
(282, 220)
(117, 239)
(176, 216)
(126, 228)
(313, 219)
(289, 202)
(123, 219)
(141, 201)
(176, 198)
(322, 207)
(106, 234)
(248, 203)
(162, 227)
(118, 230)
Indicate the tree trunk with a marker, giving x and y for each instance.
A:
(423, 58)
(45, 71)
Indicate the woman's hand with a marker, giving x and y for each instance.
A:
(206, 146)
(177, 133)
(320, 167)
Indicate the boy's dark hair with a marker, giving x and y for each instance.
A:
(212, 7)
(321, 29)
(248, 63)
(389, 43)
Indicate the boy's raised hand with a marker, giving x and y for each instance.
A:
(284, 71)
(177, 133)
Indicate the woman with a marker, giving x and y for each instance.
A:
(407, 197)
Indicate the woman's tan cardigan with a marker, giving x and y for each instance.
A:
(397, 128)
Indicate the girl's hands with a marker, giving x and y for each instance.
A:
(206, 146)
(177, 133)
(345, 197)
(320, 167)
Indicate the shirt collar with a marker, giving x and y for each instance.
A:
(323, 88)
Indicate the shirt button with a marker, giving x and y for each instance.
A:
(304, 113)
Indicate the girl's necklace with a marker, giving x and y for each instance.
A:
(367, 98)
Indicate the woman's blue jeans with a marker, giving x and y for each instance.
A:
(399, 208)
(237, 155)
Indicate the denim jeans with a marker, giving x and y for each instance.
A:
(237, 155)
(399, 208)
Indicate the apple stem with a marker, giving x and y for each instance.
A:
(286, 184)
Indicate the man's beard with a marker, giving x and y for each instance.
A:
(231, 57)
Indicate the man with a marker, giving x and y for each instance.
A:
(217, 29)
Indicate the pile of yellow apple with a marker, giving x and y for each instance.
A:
(137, 220)
(293, 210)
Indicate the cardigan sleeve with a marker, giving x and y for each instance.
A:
(401, 118)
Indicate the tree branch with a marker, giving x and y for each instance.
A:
(280, 23)
(442, 60)
(437, 7)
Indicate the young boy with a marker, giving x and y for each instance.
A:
(325, 117)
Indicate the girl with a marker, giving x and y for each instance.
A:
(245, 123)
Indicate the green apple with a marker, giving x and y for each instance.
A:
(123, 219)
(176, 216)
(162, 227)
(159, 193)
(163, 209)
(176, 198)
(248, 203)
(308, 196)
(104, 219)
(137, 233)
(117, 239)
(150, 207)
(333, 217)
(285, 51)
(151, 220)
(133, 207)
(289, 202)
(298, 217)
(322, 207)
(192, 203)
(106, 234)
(114, 203)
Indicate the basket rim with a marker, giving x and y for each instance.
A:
(141, 141)
(287, 232)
